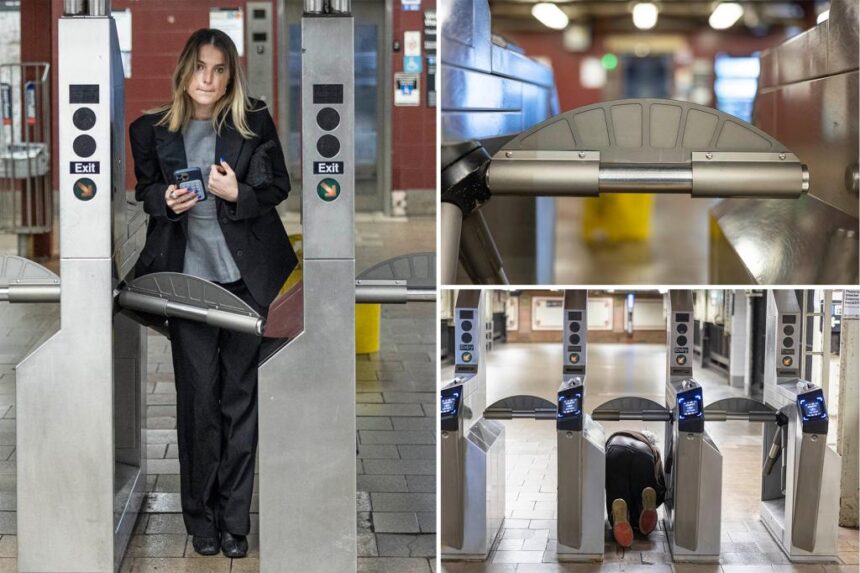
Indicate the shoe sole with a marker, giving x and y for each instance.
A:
(648, 517)
(621, 530)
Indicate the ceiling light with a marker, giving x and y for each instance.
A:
(645, 15)
(725, 15)
(550, 15)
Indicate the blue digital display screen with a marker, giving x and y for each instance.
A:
(449, 404)
(569, 407)
(812, 406)
(690, 406)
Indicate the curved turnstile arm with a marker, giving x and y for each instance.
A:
(744, 409)
(22, 280)
(631, 408)
(624, 146)
(521, 407)
(402, 279)
(184, 296)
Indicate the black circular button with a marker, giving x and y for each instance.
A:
(84, 145)
(787, 342)
(574, 327)
(466, 325)
(466, 337)
(682, 328)
(681, 340)
(84, 118)
(788, 330)
(574, 339)
(240, 252)
(328, 118)
(328, 146)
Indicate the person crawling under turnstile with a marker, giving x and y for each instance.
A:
(635, 484)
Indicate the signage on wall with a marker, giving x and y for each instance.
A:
(412, 64)
(407, 89)
(851, 303)
(231, 22)
(410, 5)
(412, 43)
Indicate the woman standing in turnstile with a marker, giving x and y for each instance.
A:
(635, 484)
(232, 237)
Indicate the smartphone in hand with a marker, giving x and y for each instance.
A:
(191, 179)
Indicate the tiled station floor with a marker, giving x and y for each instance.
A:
(528, 538)
(396, 408)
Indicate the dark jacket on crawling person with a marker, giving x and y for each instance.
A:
(252, 228)
(632, 464)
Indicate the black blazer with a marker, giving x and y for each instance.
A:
(251, 226)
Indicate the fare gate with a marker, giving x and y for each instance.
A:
(81, 394)
(580, 441)
(624, 146)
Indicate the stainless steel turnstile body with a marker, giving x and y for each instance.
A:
(472, 447)
(694, 465)
(81, 394)
(517, 92)
(307, 389)
(800, 501)
(581, 471)
(581, 446)
(808, 98)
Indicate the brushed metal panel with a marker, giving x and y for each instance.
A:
(470, 90)
(457, 126)
(327, 225)
(817, 119)
(802, 241)
(465, 27)
(842, 36)
(513, 64)
(307, 433)
(64, 384)
(85, 226)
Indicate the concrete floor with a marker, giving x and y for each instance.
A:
(396, 503)
(527, 541)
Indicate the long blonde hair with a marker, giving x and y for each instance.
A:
(235, 101)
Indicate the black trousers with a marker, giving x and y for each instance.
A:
(216, 418)
(632, 464)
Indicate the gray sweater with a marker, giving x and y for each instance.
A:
(206, 253)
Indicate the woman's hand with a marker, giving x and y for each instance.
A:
(179, 200)
(222, 182)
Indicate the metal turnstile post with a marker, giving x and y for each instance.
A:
(473, 447)
(307, 388)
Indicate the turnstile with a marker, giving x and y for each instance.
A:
(638, 146)
(693, 463)
(81, 394)
(472, 446)
(580, 441)
(800, 482)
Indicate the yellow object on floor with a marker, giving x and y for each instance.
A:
(368, 317)
(368, 320)
(617, 217)
(296, 275)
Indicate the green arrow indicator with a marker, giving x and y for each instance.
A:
(328, 190)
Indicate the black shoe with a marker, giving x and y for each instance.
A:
(205, 545)
(235, 546)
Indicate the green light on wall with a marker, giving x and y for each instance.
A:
(609, 61)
